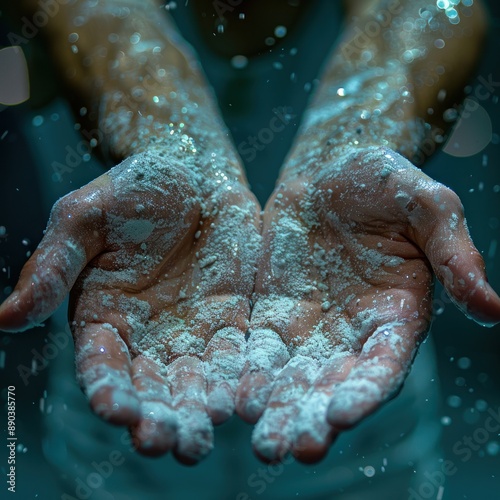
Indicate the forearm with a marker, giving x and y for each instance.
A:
(395, 70)
(138, 82)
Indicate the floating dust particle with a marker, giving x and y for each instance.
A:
(369, 471)
(239, 62)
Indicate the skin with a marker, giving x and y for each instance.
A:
(146, 391)
(171, 399)
(185, 179)
(388, 307)
(351, 170)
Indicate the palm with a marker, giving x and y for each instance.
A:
(343, 296)
(160, 309)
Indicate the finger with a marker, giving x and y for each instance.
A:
(282, 270)
(378, 374)
(72, 238)
(312, 434)
(155, 433)
(440, 229)
(266, 354)
(273, 434)
(103, 370)
(187, 383)
(224, 360)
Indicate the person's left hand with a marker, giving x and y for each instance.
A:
(160, 261)
(343, 295)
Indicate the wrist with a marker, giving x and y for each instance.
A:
(138, 84)
(380, 90)
(204, 151)
(373, 108)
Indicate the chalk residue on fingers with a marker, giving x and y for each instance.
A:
(187, 380)
(110, 391)
(223, 362)
(266, 351)
(265, 355)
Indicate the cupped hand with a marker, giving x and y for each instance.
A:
(343, 295)
(161, 263)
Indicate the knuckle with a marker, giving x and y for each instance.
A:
(75, 208)
(439, 199)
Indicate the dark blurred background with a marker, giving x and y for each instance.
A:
(34, 134)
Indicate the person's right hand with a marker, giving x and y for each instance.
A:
(343, 294)
(161, 263)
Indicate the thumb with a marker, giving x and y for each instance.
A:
(73, 237)
(440, 230)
